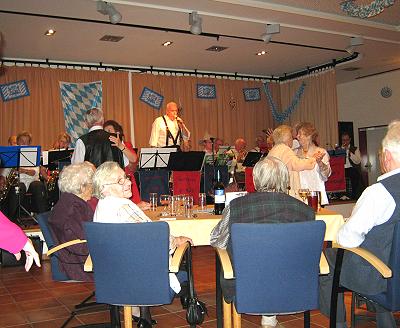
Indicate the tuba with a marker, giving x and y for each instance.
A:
(11, 181)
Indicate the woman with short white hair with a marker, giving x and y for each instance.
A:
(67, 217)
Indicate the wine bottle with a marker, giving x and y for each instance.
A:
(219, 195)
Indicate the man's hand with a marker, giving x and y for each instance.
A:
(178, 241)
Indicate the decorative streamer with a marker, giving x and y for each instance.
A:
(281, 116)
(365, 11)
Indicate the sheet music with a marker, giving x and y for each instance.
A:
(151, 158)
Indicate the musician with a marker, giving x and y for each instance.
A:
(98, 146)
(239, 153)
(169, 129)
(63, 141)
(12, 141)
(28, 182)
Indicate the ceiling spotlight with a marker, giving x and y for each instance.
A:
(167, 43)
(270, 30)
(195, 23)
(354, 42)
(50, 32)
(106, 8)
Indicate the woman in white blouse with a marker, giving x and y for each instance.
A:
(314, 179)
(113, 189)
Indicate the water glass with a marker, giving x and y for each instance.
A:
(202, 201)
(164, 201)
(303, 193)
(173, 205)
(153, 198)
(188, 205)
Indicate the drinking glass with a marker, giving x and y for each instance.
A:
(303, 193)
(188, 205)
(153, 198)
(164, 201)
(202, 201)
(314, 200)
(173, 205)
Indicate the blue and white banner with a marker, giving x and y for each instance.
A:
(14, 90)
(77, 99)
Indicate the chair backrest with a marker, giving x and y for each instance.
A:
(277, 266)
(43, 220)
(130, 262)
(393, 287)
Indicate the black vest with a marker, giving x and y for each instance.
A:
(98, 148)
(357, 274)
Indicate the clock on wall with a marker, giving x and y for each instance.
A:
(386, 92)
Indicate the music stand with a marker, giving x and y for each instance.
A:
(155, 158)
(57, 159)
(186, 161)
(16, 157)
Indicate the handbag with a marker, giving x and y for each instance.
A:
(196, 309)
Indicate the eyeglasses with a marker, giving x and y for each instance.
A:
(120, 181)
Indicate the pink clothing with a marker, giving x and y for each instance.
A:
(12, 238)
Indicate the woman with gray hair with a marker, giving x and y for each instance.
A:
(270, 204)
(113, 188)
(67, 216)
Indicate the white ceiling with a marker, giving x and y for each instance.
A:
(316, 23)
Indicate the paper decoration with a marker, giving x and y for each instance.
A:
(76, 100)
(14, 90)
(252, 94)
(206, 91)
(151, 98)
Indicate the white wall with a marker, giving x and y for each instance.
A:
(360, 101)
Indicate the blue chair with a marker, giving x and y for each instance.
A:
(390, 299)
(131, 264)
(57, 274)
(276, 268)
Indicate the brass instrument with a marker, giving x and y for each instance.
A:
(52, 180)
(11, 181)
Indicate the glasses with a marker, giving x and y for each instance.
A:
(120, 181)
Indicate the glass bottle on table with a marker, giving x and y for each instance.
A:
(219, 195)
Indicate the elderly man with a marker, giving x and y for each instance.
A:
(169, 130)
(98, 146)
(370, 226)
(283, 139)
(270, 204)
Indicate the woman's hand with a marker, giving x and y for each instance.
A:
(31, 255)
(318, 156)
(178, 241)
(144, 206)
(116, 142)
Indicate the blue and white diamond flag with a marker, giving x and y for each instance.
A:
(77, 99)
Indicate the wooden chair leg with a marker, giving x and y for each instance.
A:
(227, 311)
(127, 317)
(237, 322)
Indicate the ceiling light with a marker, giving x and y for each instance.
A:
(270, 30)
(106, 8)
(50, 32)
(167, 43)
(195, 23)
(261, 53)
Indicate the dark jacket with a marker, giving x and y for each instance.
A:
(66, 224)
(98, 148)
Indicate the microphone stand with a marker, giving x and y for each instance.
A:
(212, 149)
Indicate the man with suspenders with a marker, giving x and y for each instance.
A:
(169, 130)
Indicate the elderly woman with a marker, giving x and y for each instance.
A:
(67, 216)
(313, 179)
(283, 140)
(270, 204)
(113, 188)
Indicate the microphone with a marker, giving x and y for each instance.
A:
(179, 120)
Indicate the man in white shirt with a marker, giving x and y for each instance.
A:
(370, 226)
(169, 129)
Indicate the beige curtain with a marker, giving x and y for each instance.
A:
(318, 104)
(41, 112)
(228, 116)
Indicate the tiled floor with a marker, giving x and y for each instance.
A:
(34, 300)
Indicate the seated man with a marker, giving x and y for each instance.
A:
(270, 204)
(370, 226)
